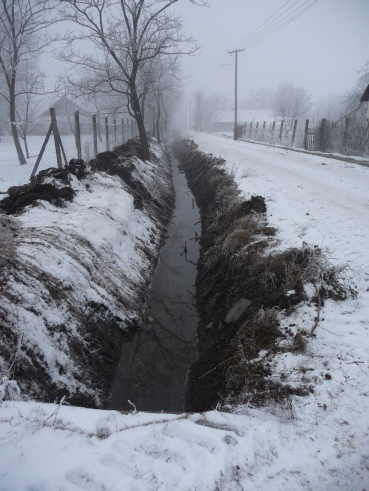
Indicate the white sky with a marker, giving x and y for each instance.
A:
(321, 50)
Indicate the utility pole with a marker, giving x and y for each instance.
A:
(198, 112)
(236, 51)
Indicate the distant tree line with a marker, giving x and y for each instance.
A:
(289, 102)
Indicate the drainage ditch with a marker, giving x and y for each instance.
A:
(242, 287)
(154, 363)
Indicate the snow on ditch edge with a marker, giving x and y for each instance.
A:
(74, 277)
(302, 446)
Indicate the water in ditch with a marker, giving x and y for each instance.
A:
(153, 366)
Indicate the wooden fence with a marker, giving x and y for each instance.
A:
(349, 136)
(53, 140)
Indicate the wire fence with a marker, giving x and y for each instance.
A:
(80, 138)
(347, 137)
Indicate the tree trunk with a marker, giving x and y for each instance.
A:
(15, 135)
(158, 123)
(98, 126)
(26, 145)
(139, 120)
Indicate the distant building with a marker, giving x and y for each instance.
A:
(65, 110)
(224, 120)
(365, 98)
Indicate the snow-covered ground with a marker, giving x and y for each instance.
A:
(318, 442)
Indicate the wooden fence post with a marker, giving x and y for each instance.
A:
(273, 126)
(306, 134)
(115, 131)
(256, 129)
(59, 149)
(42, 150)
(94, 131)
(107, 133)
(78, 134)
(281, 131)
(123, 142)
(322, 142)
(250, 130)
(56, 137)
(294, 132)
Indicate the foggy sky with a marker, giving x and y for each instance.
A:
(321, 50)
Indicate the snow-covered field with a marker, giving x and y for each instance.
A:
(14, 174)
(318, 442)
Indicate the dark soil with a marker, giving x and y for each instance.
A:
(21, 196)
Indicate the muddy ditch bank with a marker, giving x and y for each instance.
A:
(79, 246)
(244, 284)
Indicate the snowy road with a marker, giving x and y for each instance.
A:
(321, 201)
(319, 442)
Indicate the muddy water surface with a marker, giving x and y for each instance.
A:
(153, 366)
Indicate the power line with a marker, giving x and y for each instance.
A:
(261, 25)
(283, 22)
(261, 33)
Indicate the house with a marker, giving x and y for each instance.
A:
(224, 120)
(65, 115)
(365, 98)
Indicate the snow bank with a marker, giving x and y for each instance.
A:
(43, 447)
(74, 275)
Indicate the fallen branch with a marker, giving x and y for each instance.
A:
(216, 367)
(198, 237)
(194, 296)
(318, 310)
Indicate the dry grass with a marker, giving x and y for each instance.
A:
(237, 262)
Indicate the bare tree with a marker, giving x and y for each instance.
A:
(22, 23)
(258, 99)
(290, 102)
(127, 34)
(163, 86)
(351, 99)
(31, 83)
(214, 107)
(329, 107)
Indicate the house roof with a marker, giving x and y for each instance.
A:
(64, 107)
(244, 116)
(365, 96)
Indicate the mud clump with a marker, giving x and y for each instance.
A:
(120, 162)
(50, 185)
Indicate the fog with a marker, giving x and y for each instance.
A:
(318, 45)
(320, 50)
